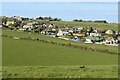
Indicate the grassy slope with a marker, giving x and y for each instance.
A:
(49, 63)
(86, 24)
(34, 35)
(30, 53)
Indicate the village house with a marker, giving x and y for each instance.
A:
(118, 38)
(51, 26)
(9, 22)
(70, 31)
(75, 30)
(80, 28)
(43, 32)
(95, 34)
(88, 41)
(75, 38)
(51, 32)
(110, 32)
(88, 35)
(78, 35)
(28, 27)
(111, 40)
(60, 33)
(65, 33)
(44, 25)
(18, 18)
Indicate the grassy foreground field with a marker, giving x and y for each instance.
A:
(96, 71)
(26, 58)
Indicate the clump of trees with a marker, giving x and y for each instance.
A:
(78, 20)
(97, 21)
(4, 20)
(48, 18)
(101, 21)
(25, 19)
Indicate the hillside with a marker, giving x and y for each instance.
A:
(29, 52)
(87, 24)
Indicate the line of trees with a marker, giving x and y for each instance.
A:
(97, 21)
(48, 18)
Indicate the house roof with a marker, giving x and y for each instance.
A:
(77, 34)
(109, 32)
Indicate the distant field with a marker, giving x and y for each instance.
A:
(86, 24)
(97, 25)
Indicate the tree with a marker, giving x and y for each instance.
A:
(17, 23)
(25, 18)
(11, 25)
(101, 21)
(22, 24)
(39, 18)
(56, 19)
(78, 20)
(32, 19)
(4, 20)
(49, 17)
(75, 20)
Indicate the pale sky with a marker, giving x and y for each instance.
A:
(60, 0)
(64, 10)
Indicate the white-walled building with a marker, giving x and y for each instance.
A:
(60, 33)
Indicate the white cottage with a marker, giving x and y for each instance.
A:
(26, 26)
(95, 34)
(111, 40)
(29, 25)
(60, 33)
(9, 22)
(50, 26)
(109, 32)
(88, 41)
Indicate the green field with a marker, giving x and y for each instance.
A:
(97, 25)
(34, 35)
(96, 71)
(86, 24)
(27, 53)
(36, 53)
